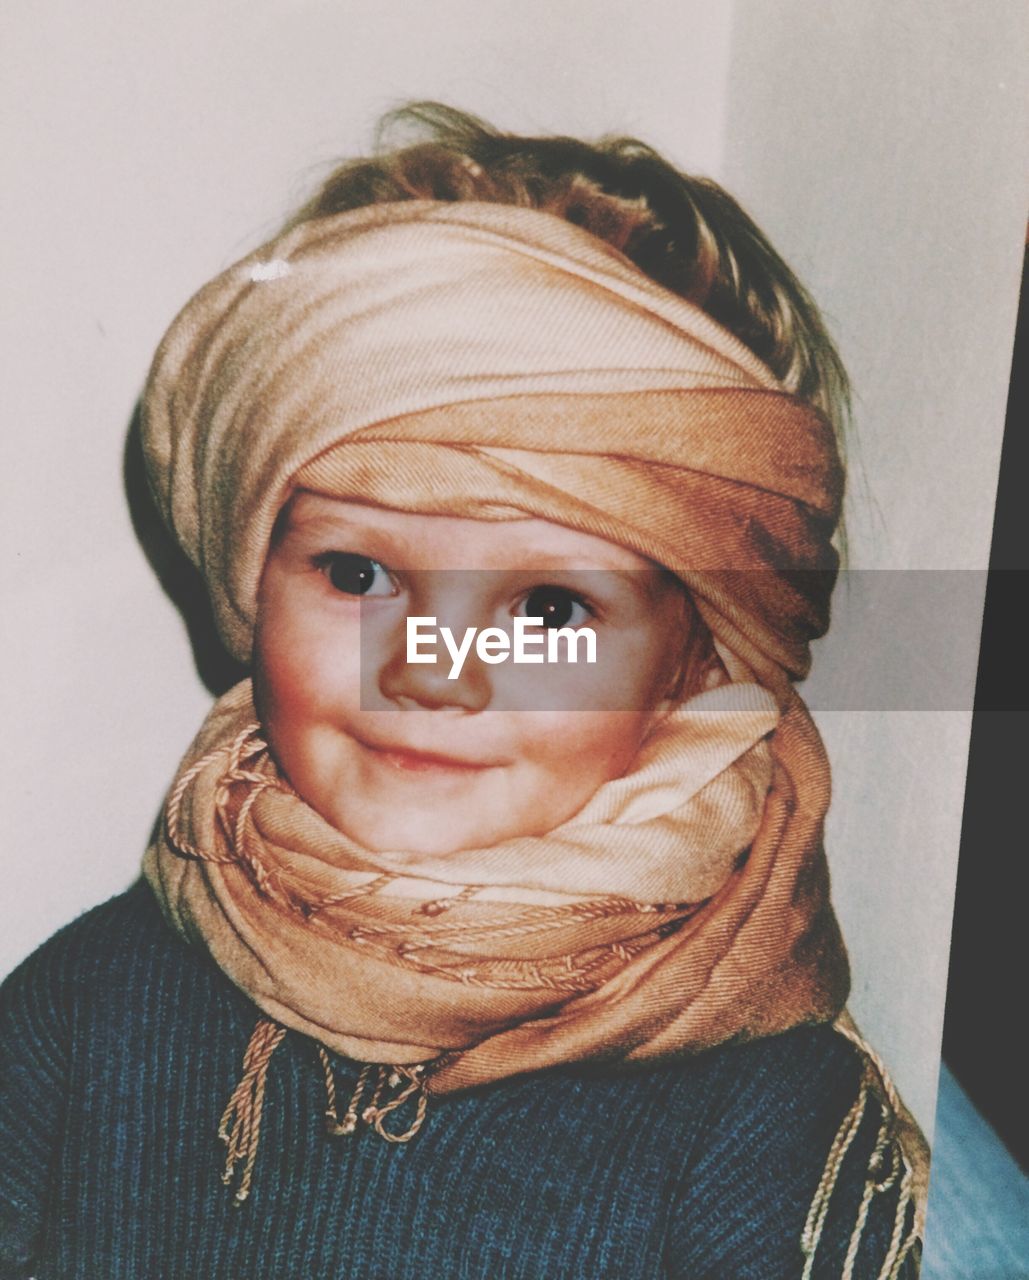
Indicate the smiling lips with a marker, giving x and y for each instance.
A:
(424, 761)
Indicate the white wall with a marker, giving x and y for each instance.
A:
(883, 144)
(150, 144)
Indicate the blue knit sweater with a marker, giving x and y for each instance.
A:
(121, 1045)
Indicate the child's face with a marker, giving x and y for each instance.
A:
(465, 764)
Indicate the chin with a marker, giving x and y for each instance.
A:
(421, 839)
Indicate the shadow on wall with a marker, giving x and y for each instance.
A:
(179, 578)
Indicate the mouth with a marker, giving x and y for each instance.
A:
(408, 761)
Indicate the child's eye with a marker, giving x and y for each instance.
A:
(355, 575)
(557, 606)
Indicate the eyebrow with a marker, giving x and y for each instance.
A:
(339, 528)
(324, 525)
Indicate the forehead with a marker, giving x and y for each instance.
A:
(437, 541)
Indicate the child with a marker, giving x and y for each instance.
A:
(516, 970)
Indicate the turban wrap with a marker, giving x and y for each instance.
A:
(487, 361)
(493, 362)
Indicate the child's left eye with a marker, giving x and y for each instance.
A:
(355, 575)
(557, 606)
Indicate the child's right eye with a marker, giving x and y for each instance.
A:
(355, 575)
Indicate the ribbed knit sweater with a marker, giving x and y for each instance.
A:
(121, 1045)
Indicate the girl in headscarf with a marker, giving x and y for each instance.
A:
(480, 968)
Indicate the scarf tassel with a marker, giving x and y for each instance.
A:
(887, 1163)
(240, 1126)
(410, 1081)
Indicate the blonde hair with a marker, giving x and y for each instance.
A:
(685, 232)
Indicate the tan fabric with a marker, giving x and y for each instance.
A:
(647, 904)
(490, 361)
(487, 361)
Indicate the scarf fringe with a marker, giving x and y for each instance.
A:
(887, 1163)
(240, 1126)
(373, 1115)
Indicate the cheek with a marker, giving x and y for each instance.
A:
(633, 672)
(582, 750)
(305, 669)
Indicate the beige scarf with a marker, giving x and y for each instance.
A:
(489, 362)
(378, 956)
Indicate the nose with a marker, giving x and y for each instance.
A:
(409, 684)
(454, 600)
